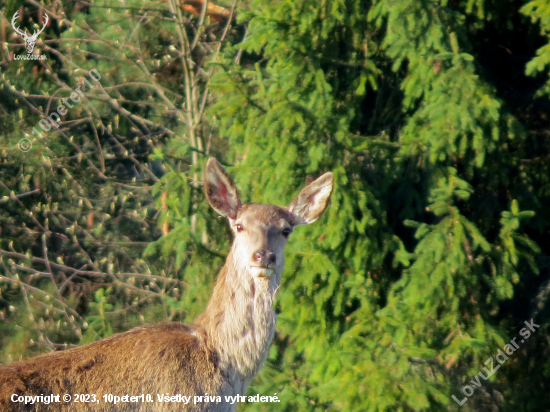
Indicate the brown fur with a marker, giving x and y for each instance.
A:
(218, 355)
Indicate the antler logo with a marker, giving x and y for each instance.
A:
(29, 40)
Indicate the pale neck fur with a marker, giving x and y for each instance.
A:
(239, 321)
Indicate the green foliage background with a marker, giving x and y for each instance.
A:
(433, 115)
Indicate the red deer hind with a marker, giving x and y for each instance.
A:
(213, 359)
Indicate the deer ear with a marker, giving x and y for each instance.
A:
(312, 200)
(220, 190)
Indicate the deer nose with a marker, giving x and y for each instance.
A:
(264, 258)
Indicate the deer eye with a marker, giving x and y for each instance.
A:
(240, 228)
(286, 232)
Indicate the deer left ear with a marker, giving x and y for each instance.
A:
(312, 200)
(220, 190)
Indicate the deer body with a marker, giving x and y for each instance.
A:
(216, 356)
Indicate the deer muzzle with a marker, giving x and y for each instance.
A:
(264, 263)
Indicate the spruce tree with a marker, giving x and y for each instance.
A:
(433, 117)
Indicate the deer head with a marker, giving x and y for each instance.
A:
(29, 40)
(261, 231)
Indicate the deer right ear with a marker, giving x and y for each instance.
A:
(312, 200)
(220, 190)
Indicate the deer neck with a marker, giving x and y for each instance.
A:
(239, 321)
